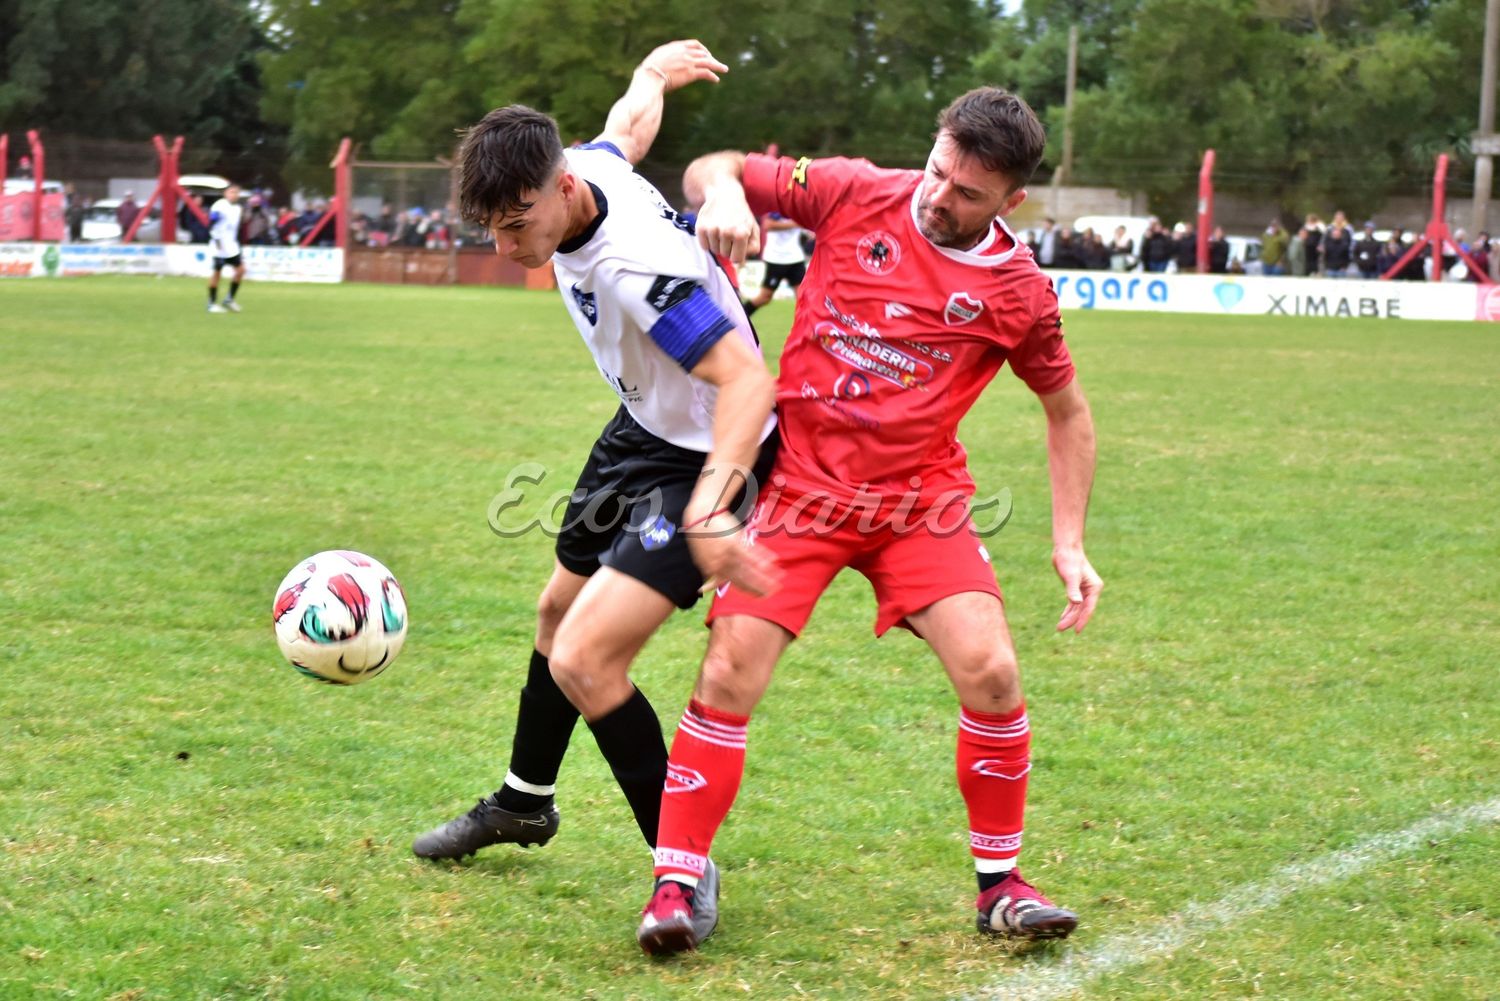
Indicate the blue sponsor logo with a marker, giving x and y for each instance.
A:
(587, 305)
(658, 535)
(1091, 292)
(1228, 294)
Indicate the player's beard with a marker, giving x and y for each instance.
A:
(941, 229)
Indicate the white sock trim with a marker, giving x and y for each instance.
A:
(994, 864)
(521, 785)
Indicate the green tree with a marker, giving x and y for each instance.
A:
(390, 76)
(113, 70)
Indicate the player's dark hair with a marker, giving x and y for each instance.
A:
(512, 150)
(997, 128)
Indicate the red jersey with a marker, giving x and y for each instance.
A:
(895, 337)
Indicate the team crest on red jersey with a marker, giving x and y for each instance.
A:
(962, 308)
(878, 252)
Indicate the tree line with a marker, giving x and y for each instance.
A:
(1308, 102)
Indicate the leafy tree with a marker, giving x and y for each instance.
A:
(113, 70)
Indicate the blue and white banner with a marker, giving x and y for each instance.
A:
(1244, 295)
(262, 264)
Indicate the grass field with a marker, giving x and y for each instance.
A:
(1295, 657)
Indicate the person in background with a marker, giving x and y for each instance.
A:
(1185, 248)
(126, 212)
(1273, 249)
(1337, 249)
(224, 241)
(1121, 251)
(1296, 254)
(1156, 248)
(195, 228)
(73, 211)
(1367, 252)
(1312, 240)
(1218, 252)
(1479, 250)
(783, 259)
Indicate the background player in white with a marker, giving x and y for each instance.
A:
(224, 244)
(783, 257)
(652, 516)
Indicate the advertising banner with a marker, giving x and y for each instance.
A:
(16, 213)
(28, 260)
(263, 264)
(1246, 295)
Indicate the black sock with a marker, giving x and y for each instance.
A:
(750, 307)
(213, 294)
(234, 289)
(630, 740)
(989, 879)
(544, 724)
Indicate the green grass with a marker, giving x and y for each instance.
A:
(1295, 652)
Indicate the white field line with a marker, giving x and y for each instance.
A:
(1074, 971)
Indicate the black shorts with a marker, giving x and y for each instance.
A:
(792, 274)
(234, 262)
(627, 508)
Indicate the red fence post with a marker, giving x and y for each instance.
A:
(1205, 208)
(38, 174)
(342, 194)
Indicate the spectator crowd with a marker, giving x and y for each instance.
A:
(1334, 250)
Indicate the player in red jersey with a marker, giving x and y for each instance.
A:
(916, 295)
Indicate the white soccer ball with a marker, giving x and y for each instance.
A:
(340, 617)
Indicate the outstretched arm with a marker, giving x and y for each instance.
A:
(635, 118)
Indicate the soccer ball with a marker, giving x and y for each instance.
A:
(340, 617)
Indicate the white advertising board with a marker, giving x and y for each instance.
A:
(1240, 295)
(262, 264)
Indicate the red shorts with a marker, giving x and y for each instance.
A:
(911, 561)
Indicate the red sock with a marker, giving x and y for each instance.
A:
(703, 777)
(994, 755)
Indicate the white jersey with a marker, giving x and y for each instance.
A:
(648, 300)
(783, 246)
(224, 227)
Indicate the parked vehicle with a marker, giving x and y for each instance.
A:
(100, 223)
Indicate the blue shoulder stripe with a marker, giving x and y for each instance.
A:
(689, 328)
(604, 145)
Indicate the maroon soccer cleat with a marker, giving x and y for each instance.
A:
(667, 922)
(1016, 909)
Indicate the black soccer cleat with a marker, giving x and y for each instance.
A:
(487, 824)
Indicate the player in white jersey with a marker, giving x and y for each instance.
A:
(783, 257)
(659, 504)
(224, 244)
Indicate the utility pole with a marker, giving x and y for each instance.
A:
(1072, 85)
(1486, 142)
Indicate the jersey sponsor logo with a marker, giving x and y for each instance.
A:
(681, 778)
(847, 414)
(962, 308)
(677, 219)
(874, 356)
(851, 386)
(849, 320)
(878, 252)
(799, 173)
(895, 310)
(627, 394)
(667, 292)
(658, 535)
(588, 305)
